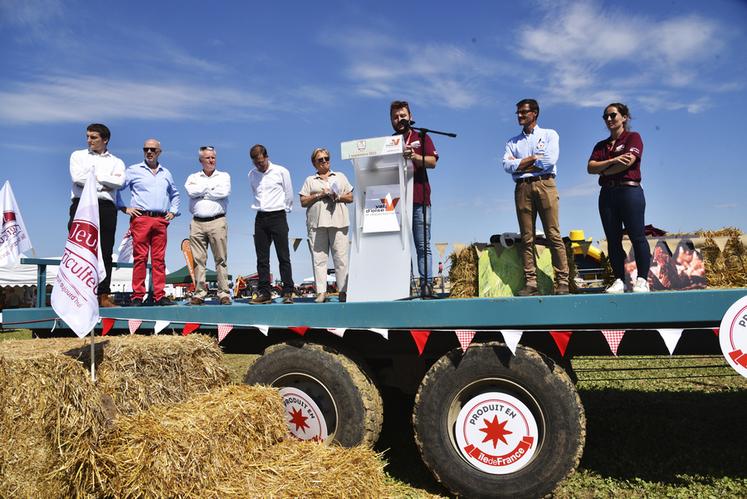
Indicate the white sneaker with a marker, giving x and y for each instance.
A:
(640, 286)
(617, 287)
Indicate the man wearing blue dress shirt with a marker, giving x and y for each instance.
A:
(531, 158)
(154, 203)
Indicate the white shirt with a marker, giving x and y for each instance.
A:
(208, 196)
(110, 173)
(272, 189)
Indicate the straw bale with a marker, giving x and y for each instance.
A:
(50, 419)
(463, 273)
(307, 469)
(186, 449)
(727, 268)
(139, 371)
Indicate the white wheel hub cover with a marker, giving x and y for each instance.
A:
(732, 336)
(304, 418)
(496, 433)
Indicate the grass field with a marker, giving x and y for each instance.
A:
(656, 427)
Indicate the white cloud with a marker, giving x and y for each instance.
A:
(589, 187)
(29, 14)
(72, 99)
(590, 55)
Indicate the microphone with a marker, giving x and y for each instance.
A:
(405, 123)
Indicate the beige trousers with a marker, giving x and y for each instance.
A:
(321, 241)
(540, 198)
(215, 234)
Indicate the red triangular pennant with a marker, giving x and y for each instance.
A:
(715, 331)
(421, 338)
(299, 329)
(106, 325)
(190, 328)
(561, 340)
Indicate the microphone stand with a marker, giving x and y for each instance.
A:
(424, 288)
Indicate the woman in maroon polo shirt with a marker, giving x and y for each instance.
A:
(617, 161)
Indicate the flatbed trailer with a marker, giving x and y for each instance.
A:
(491, 419)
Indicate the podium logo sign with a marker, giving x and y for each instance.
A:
(382, 212)
(733, 336)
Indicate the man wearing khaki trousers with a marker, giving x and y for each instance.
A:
(208, 192)
(531, 159)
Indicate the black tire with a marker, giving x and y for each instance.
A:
(347, 397)
(459, 383)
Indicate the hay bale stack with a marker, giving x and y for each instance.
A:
(727, 268)
(51, 416)
(185, 450)
(140, 371)
(307, 469)
(463, 273)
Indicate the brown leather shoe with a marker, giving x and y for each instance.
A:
(225, 301)
(528, 290)
(105, 300)
(562, 289)
(196, 300)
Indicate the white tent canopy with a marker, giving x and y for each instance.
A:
(25, 275)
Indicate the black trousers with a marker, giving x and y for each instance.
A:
(107, 229)
(272, 227)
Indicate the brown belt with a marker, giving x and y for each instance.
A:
(527, 180)
(621, 183)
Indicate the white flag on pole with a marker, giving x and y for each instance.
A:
(14, 239)
(82, 267)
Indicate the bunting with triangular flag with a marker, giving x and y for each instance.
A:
(133, 324)
(189, 328)
(511, 337)
(561, 339)
(421, 338)
(337, 331)
(223, 330)
(613, 337)
(383, 332)
(465, 338)
(300, 330)
(671, 337)
(262, 328)
(106, 325)
(160, 326)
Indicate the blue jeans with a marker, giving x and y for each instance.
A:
(625, 205)
(422, 247)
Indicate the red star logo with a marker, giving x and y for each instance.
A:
(495, 431)
(298, 419)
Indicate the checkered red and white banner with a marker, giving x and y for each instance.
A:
(613, 337)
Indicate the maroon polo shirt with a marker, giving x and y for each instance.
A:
(421, 189)
(627, 142)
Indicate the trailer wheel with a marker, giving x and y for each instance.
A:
(328, 396)
(489, 424)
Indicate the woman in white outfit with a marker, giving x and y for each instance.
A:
(325, 195)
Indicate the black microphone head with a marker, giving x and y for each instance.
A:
(405, 123)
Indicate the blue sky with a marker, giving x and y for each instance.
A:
(297, 75)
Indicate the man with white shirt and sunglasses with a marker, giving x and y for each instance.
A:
(208, 192)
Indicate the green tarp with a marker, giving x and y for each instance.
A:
(501, 272)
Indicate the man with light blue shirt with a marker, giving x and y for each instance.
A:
(531, 158)
(154, 203)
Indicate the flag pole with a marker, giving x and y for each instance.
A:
(93, 357)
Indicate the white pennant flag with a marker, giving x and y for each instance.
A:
(337, 331)
(160, 326)
(512, 337)
(671, 337)
(14, 239)
(81, 267)
(133, 324)
(124, 253)
(262, 328)
(382, 332)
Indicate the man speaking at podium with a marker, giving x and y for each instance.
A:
(401, 118)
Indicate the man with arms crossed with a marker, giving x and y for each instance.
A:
(531, 159)
(273, 199)
(154, 203)
(208, 192)
(110, 177)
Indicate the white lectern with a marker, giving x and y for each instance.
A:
(380, 256)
